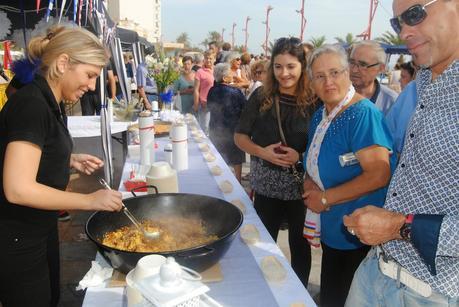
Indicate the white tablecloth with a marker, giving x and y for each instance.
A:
(243, 281)
(88, 126)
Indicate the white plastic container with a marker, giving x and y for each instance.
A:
(175, 285)
(163, 177)
(179, 138)
(146, 266)
(147, 138)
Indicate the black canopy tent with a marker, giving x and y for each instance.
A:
(23, 15)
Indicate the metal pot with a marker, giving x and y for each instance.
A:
(219, 217)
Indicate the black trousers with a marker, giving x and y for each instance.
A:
(30, 268)
(338, 268)
(271, 212)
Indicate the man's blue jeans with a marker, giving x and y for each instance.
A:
(371, 288)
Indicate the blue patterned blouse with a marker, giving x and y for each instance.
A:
(359, 126)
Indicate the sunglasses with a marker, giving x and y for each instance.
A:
(258, 72)
(284, 41)
(412, 16)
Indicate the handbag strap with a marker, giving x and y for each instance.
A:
(284, 141)
(279, 123)
(298, 177)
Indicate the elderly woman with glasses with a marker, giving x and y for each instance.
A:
(286, 98)
(225, 105)
(336, 184)
(239, 79)
(258, 73)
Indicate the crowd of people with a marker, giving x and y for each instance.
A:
(371, 172)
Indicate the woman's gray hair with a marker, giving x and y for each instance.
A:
(221, 70)
(378, 51)
(198, 58)
(231, 56)
(328, 49)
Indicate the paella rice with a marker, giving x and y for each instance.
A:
(175, 234)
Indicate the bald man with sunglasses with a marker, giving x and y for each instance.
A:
(415, 258)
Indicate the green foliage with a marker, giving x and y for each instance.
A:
(240, 49)
(317, 41)
(184, 39)
(349, 39)
(390, 38)
(212, 36)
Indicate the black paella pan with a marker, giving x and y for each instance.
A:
(219, 218)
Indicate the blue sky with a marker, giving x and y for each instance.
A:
(324, 17)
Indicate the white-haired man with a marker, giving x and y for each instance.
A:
(366, 62)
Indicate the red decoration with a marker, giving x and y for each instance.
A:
(129, 185)
(38, 5)
(7, 59)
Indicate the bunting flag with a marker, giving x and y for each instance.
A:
(38, 5)
(75, 8)
(62, 10)
(49, 9)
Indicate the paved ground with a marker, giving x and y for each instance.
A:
(77, 251)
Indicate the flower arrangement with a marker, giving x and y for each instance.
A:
(164, 73)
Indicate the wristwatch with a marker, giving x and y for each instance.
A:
(324, 201)
(405, 230)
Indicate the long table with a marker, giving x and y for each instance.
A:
(243, 282)
(89, 126)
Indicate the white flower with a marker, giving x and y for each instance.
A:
(149, 60)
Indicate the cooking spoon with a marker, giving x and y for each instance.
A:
(147, 234)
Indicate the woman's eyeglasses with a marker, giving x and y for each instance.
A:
(258, 72)
(412, 16)
(333, 75)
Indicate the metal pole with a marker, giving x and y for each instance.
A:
(373, 7)
(366, 35)
(268, 9)
(246, 30)
(223, 32)
(303, 20)
(232, 35)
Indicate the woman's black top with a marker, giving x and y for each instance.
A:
(33, 115)
(263, 129)
(261, 126)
